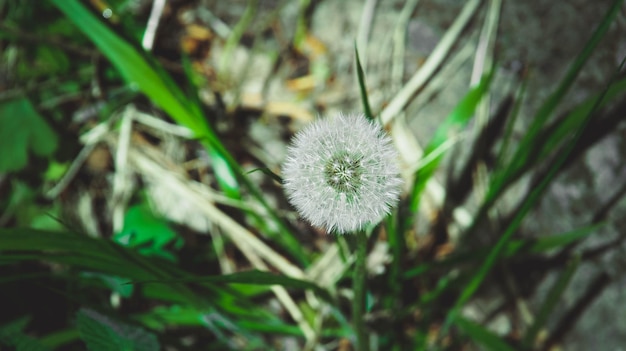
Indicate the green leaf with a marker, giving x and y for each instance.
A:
(362, 87)
(102, 333)
(525, 151)
(482, 335)
(268, 172)
(148, 232)
(536, 192)
(165, 316)
(151, 79)
(573, 119)
(513, 248)
(89, 254)
(22, 128)
(225, 176)
(457, 119)
(116, 284)
(15, 327)
(133, 66)
(12, 334)
(254, 277)
(147, 77)
(549, 242)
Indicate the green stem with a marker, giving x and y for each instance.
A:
(358, 286)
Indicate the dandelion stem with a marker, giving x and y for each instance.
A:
(358, 302)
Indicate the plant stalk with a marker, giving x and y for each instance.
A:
(358, 287)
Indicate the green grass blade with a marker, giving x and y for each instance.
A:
(554, 295)
(482, 336)
(527, 204)
(162, 90)
(512, 248)
(18, 244)
(556, 241)
(574, 118)
(362, 87)
(102, 333)
(457, 119)
(147, 77)
(523, 153)
(132, 65)
(503, 153)
(254, 277)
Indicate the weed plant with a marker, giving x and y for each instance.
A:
(219, 260)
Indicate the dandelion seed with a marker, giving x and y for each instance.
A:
(341, 173)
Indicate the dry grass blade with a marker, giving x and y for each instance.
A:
(435, 59)
(146, 163)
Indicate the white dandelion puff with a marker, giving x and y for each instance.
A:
(342, 173)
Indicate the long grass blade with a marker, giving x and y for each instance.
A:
(482, 336)
(523, 153)
(513, 248)
(528, 203)
(554, 295)
(362, 87)
(457, 119)
(146, 75)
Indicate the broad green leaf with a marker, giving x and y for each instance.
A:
(147, 232)
(12, 335)
(14, 327)
(225, 177)
(56, 170)
(22, 129)
(482, 336)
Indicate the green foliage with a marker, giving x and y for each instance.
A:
(514, 248)
(23, 129)
(482, 336)
(12, 335)
(416, 299)
(152, 81)
(150, 234)
(522, 157)
(253, 277)
(101, 333)
(362, 87)
(149, 78)
(554, 295)
(456, 120)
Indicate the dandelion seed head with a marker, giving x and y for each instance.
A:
(341, 174)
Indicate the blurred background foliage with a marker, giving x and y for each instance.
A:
(140, 142)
